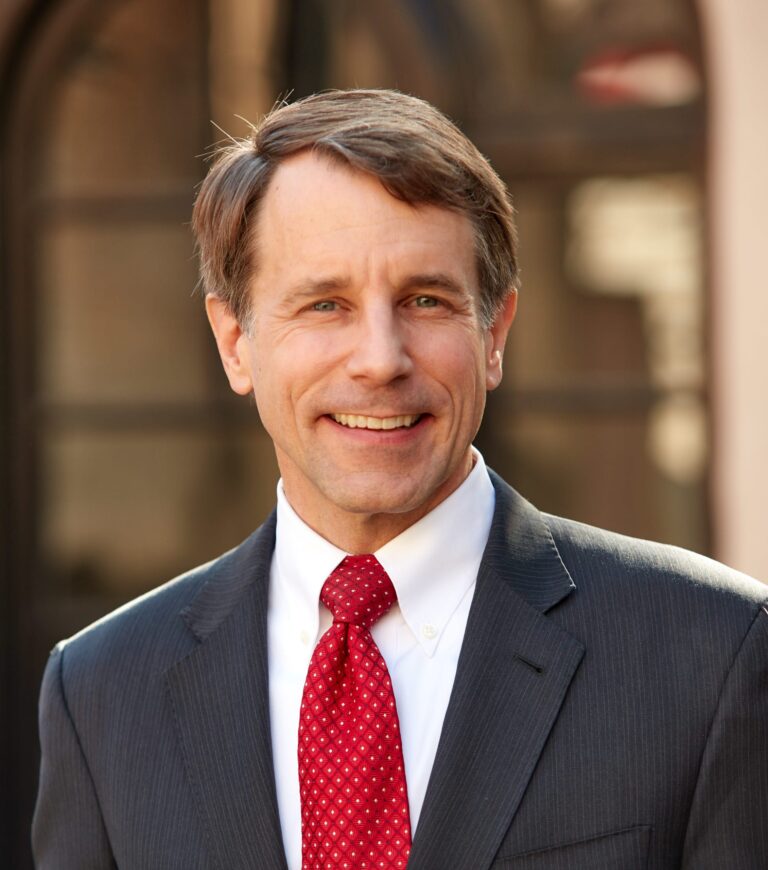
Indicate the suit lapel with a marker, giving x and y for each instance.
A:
(221, 705)
(513, 674)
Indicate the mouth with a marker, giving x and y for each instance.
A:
(360, 421)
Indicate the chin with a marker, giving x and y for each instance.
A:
(385, 497)
(373, 506)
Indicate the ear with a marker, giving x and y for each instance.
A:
(232, 344)
(496, 338)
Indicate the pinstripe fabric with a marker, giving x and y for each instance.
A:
(610, 710)
(167, 700)
(614, 850)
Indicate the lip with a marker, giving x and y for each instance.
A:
(376, 422)
(381, 436)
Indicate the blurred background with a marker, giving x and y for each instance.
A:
(633, 137)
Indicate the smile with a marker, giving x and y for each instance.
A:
(358, 421)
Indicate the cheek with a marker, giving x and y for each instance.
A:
(465, 361)
(284, 387)
(459, 370)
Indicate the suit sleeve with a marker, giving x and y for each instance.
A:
(68, 831)
(728, 825)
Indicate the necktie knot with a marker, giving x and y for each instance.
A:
(358, 591)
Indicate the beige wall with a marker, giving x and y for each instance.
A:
(737, 33)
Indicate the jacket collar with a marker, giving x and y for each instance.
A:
(521, 552)
(230, 579)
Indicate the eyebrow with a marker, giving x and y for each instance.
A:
(436, 280)
(420, 281)
(309, 289)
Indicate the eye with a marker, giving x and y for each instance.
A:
(425, 302)
(324, 305)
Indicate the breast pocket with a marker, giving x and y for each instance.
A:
(618, 850)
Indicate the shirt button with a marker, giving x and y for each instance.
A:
(428, 631)
(305, 637)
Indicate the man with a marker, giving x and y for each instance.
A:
(540, 695)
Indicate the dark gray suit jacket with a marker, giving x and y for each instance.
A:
(610, 710)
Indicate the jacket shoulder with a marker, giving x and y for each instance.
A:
(599, 560)
(156, 628)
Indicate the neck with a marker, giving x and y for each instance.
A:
(360, 533)
(357, 531)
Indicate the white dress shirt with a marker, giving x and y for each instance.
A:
(433, 566)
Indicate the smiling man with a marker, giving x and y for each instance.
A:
(407, 664)
(365, 347)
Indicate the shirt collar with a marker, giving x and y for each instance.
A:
(303, 561)
(433, 563)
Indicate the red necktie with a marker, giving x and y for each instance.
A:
(354, 803)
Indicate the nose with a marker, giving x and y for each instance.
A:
(380, 351)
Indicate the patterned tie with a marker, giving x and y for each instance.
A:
(354, 803)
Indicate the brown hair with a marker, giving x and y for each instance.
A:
(418, 155)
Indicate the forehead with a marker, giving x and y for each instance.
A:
(317, 209)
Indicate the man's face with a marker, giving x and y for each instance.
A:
(365, 354)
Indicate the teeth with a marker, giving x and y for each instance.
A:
(357, 421)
